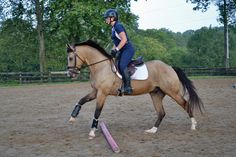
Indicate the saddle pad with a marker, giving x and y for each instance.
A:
(140, 74)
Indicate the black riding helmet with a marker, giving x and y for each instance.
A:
(111, 13)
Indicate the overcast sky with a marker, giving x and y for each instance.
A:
(175, 15)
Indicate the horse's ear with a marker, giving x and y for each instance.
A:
(69, 48)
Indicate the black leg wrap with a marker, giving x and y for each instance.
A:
(76, 110)
(95, 123)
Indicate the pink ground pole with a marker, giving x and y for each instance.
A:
(109, 138)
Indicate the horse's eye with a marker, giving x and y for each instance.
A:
(70, 58)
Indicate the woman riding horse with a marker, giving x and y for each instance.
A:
(122, 50)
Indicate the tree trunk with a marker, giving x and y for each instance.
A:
(226, 35)
(39, 17)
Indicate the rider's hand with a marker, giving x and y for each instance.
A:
(114, 53)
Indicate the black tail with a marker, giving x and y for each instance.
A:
(194, 100)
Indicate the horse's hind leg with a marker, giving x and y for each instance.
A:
(89, 97)
(184, 104)
(157, 96)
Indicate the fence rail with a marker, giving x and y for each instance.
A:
(210, 71)
(38, 77)
(61, 76)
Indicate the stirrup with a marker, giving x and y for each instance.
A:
(119, 92)
(123, 91)
(128, 90)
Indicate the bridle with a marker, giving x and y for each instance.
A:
(74, 69)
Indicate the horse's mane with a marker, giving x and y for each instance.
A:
(96, 46)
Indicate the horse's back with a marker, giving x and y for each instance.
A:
(162, 74)
(160, 67)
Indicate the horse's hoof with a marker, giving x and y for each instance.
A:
(193, 128)
(153, 130)
(194, 124)
(91, 137)
(72, 120)
(92, 133)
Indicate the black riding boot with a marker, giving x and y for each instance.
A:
(126, 88)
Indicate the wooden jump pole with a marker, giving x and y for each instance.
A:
(109, 138)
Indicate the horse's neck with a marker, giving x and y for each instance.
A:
(91, 55)
(93, 58)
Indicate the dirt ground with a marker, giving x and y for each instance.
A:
(34, 122)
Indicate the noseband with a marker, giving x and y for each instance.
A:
(74, 68)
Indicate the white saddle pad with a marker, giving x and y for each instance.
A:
(141, 73)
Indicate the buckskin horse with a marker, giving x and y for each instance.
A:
(162, 80)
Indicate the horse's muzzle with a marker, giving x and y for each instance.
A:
(73, 73)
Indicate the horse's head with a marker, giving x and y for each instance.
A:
(74, 62)
(88, 53)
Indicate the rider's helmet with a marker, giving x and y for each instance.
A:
(111, 13)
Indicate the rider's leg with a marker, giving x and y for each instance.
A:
(127, 82)
(125, 59)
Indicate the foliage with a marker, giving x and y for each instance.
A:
(74, 21)
(204, 51)
(17, 46)
(227, 15)
(232, 46)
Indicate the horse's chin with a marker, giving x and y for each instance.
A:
(74, 76)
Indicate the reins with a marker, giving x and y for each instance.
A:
(76, 55)
(98, 62)
(86, 65)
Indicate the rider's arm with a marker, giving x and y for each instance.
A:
(123, 40)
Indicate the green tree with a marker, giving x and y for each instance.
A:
(17, 46)
(75, 21)
(204, 48)
(33, 11)
(227, 15)
(58, 22)
(232, 45)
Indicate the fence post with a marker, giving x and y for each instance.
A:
(49, 76)
(20, 77)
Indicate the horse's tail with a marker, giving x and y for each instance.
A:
(194, 100)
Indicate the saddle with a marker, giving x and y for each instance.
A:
(133, 64)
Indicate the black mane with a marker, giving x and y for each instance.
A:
(96, 46)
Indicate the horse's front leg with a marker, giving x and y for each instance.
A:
(99, 105)
(89, 97)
